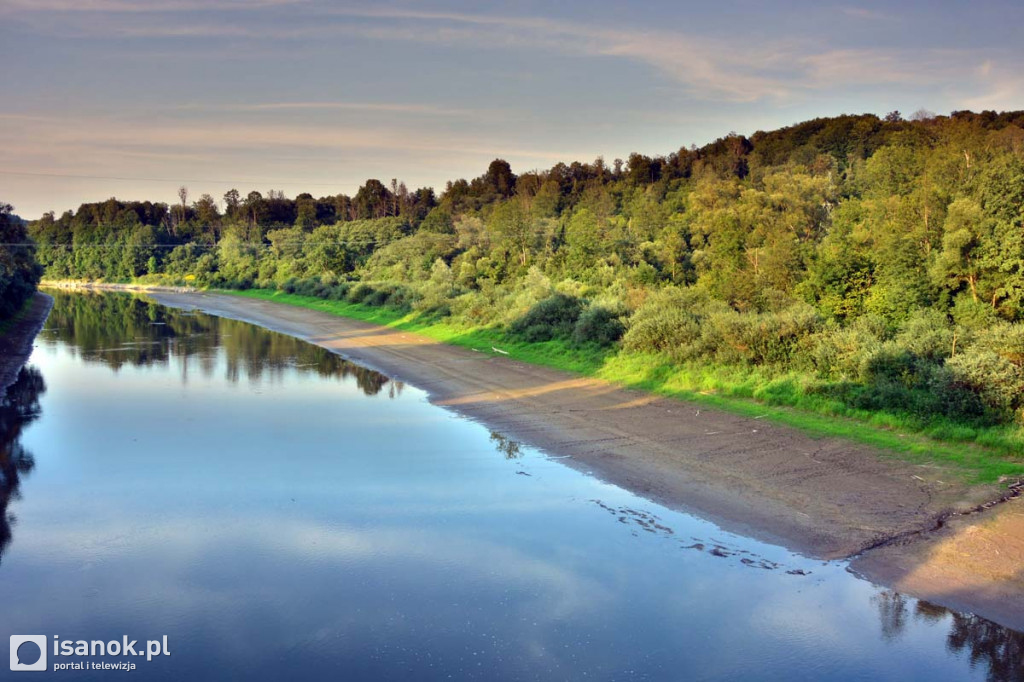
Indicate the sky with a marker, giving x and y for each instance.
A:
(133, 98)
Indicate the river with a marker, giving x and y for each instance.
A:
(274, 510)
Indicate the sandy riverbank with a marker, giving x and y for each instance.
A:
(16, 344)
(823, 497)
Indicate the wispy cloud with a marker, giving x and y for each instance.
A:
(881, 66)
(1000, 86)
(865, 13)
(372, 107)
(138, 6)
(706, 67)
(104, 135)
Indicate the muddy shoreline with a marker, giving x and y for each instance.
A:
(822, 497)
(16, 344)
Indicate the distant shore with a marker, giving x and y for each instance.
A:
(16, 342)
(824, 497)
(77, 284)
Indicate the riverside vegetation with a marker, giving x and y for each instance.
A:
(857, 267)
(19, 270)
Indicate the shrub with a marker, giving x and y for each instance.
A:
(668, 321)
(554, 317)
(777, 337)
(339, 291)
(359, 292)
(927, 333)
(1005, 340)
(376, 297)
(317, 288)
(997, 381)
(307, 287)
(599, 326)
(398, 297)
(893, 364)
(838, 353)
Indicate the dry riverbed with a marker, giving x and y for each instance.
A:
(824, 497)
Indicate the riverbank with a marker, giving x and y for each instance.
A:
(16, 340)
(825, 497)
(86, 285)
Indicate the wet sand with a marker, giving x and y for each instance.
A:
(16, 344)
(972, 563)
(823, 497)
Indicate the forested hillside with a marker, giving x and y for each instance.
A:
(856, 265)
(19, 271)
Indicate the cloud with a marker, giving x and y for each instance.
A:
(705, 67)
(708, 67)
(864, 13)
(138, 6)
(866, 66)
(208, 135)
(998, 86)
(373, 107)
(83, 148)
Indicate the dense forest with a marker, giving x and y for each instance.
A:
(19, 271)
(870, 264)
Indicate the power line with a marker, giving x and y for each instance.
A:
(170, 180)
(114, 245)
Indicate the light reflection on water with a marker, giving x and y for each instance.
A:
(278, 511)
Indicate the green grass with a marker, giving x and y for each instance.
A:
(978, 454)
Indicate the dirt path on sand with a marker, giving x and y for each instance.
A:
(825, 497)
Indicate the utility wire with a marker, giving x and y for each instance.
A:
(110, 245)
(170, 180)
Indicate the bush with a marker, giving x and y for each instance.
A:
(1005, 340)
(935, 392)
(688, 325)
(307, 287)
(760, 338)
(554, 317)
(894, 364)
(359, 292)
(838, 353)
(927, 333)
(997, 381)
(321, 290)
(599, 326)
(339, 291)
(376, 297)
(398, 297)
(669, 321)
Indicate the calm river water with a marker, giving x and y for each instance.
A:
(276, 512)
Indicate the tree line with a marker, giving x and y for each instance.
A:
(880, 259)
(19, 270)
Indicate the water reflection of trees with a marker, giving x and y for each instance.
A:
(18, 408)
(1000, 650)
(120, 329)
(511, 449)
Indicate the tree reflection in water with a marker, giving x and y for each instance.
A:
(120, 329)
(1000, 650)
(18, 408)
(511, 449)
